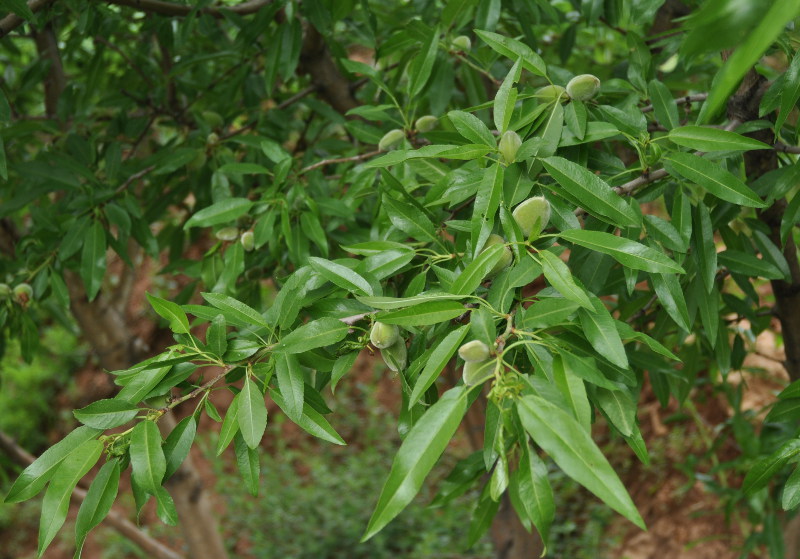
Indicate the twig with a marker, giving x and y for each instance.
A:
(12, 21)
(284, 104)
(326, 162)
(132, 178)
(181, 10)
(687, 99)
(152, 547)
(130, 62)
(783, 148)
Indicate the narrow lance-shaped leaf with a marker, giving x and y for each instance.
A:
(252, 414)
(472, 276)
(178, 444)
(713, 139)
(220, 212)
(230, 425)
(147, 457)
(444, 351)
(628, 253)
(35, 476)
(568, 444)
(317, 333)
(106, 414)
(598, 326)
(97, 504)
(560, 277)
(237, 309)
(93, 259)
(423, 315)
(420, 450)
(178, 322)
(290, 384)
(341, 276)
(56, 499)
(664, 106)
(713, 178)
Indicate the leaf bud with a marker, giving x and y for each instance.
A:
(509, 146)
(396, 355)
(248, 241)
(532, 216)
(426, 123)
(383, 335)
(505, 260)
(23, 293)
(475, 372)
(474, 351)
(462, 43)
(583, 87)
(391, 139)
(552, 93)
(227, 233)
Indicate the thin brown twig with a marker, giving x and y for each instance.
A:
(131, 63)
(132, 178)
(182, 10)
(686, 99)
(12, 21)
(351, 159)
(116, 519)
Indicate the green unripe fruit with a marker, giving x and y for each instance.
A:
(505, 260)
(462, 43)
(248, 241)
(384, 335)
(214, 120)
(474, 351)
(425, 123)
(396, 355)
(391, 139)
(227, 233)
(583, 87)
(5, 290)
(532, 216)
(212, 140)
(552, 93)
(23, 293)
(475, 372)
(509, 146)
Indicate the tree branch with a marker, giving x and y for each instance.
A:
(325, 162)
(115, 518)
(12, 21)
(181, 10)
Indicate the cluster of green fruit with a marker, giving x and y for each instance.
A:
(247, 238)
(532, 216)
(386, 337)
(22, 293)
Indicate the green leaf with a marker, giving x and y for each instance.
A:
(97, 504)
(748, 264)
(670, 293)
(760, 473)
(790, 498)
(106, 414)
(391, 303)
(216, 336)
(317, 333)
(178, 444)
(573, 449)
(19, 7)
(341, 276)
(790, 93)
(548, 312)
(421, 448)
(424, 314)
(410, 220)
(165, 508)
(148, 464)
(34, 477)
(598, 326)
(55, 504)
(419, 71)
(713, 139)
(506, 98)
(93, 259)
(472, 276)
(664, 106)
(472, 128)
(3, 161)
(168, 310)
(436, 362)
(588, 191)
(230, 425)
(746, 55)
(620, 409)
(342, 366)
(252, 414)
(235, 169)
(704, 248)
(513, 49)
(560, 277)
(535, 492)
(291, 385)
(223, 211)
(626, 252)
(236, 309)
(785, 410)
(247, 461)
